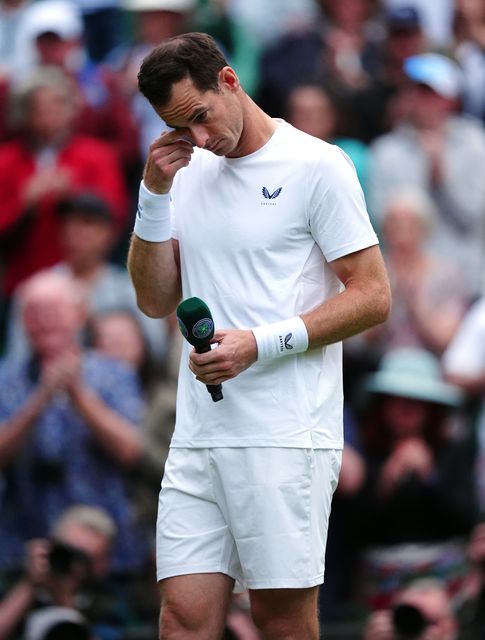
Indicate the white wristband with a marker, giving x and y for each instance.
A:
(152, 222)
(281, 339)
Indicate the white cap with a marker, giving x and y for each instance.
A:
(41, 621)
(178, 6)
(437, 72)
(52, 16)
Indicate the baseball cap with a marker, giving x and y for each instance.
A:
(53, 16)
(177, 6)
(87, 205)
(435, 71)
(404, 18)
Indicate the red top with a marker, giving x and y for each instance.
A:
(33, 244)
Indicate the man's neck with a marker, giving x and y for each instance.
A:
(258, 128)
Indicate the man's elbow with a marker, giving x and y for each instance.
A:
(381, 307)
(155, 308)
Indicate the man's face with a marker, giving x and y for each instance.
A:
(52, 321)
(51, 115)
(85, 241)
(212, 120)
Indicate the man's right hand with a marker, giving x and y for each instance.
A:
(168, 153)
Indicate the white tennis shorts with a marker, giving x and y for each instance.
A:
(259, 514)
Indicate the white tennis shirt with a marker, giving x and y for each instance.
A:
(256, 235)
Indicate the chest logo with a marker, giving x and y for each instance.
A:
(271, 196)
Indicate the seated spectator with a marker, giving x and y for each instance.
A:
(47, 163)
(417, 504)
(69, 426)
(436, 149)
(59, 573)
(464, 365)
(87, 233)
(420, 611)
(470, 601)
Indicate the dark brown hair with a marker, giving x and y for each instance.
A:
(193, 55)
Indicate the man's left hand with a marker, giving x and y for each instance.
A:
(236, 350)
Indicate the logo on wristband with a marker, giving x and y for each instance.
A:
(285, 342)
(203, 328)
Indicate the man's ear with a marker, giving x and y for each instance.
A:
(228, 77)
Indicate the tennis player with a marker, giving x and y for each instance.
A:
(269, 227)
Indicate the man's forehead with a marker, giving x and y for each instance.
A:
(185, 102)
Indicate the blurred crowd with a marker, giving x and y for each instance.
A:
(88, 383)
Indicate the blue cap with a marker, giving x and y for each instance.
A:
(435, 71)
(405, 18)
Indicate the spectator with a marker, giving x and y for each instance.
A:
(313, 109)
(437, 19)
(439, 151)
(417, 503)
(421, 611)
(69, 426)
(469, 50)
(52, 34)
(118, 335)
(338, 50)
(470, 602)
(428, 293)
(375, 108)
(87, 234)
(46, 164)
(153, 22)
(464, 365)
(58, 573)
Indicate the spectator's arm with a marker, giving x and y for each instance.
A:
(115, 434)
(14, 607)
(14, 430)
(20, 598)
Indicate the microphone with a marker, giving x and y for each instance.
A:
(197, 326)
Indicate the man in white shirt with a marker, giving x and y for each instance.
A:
(270, 229)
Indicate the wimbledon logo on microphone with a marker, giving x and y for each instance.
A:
(203, 328)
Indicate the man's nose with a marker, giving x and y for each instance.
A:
(199, 135)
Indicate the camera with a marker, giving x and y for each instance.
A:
(409, 622)
(65, 560)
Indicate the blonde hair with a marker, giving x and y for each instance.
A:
(95, 518)
(417, 201)
(48, 77)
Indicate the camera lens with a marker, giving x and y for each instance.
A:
(408, 621)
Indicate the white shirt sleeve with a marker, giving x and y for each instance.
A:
(466, 352)
(338, 215)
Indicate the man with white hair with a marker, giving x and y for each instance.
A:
(69, 423)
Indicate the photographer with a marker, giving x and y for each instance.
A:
(57, 570)
(421, 611)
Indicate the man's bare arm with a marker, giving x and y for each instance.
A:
(154, 268)
(364, 303)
